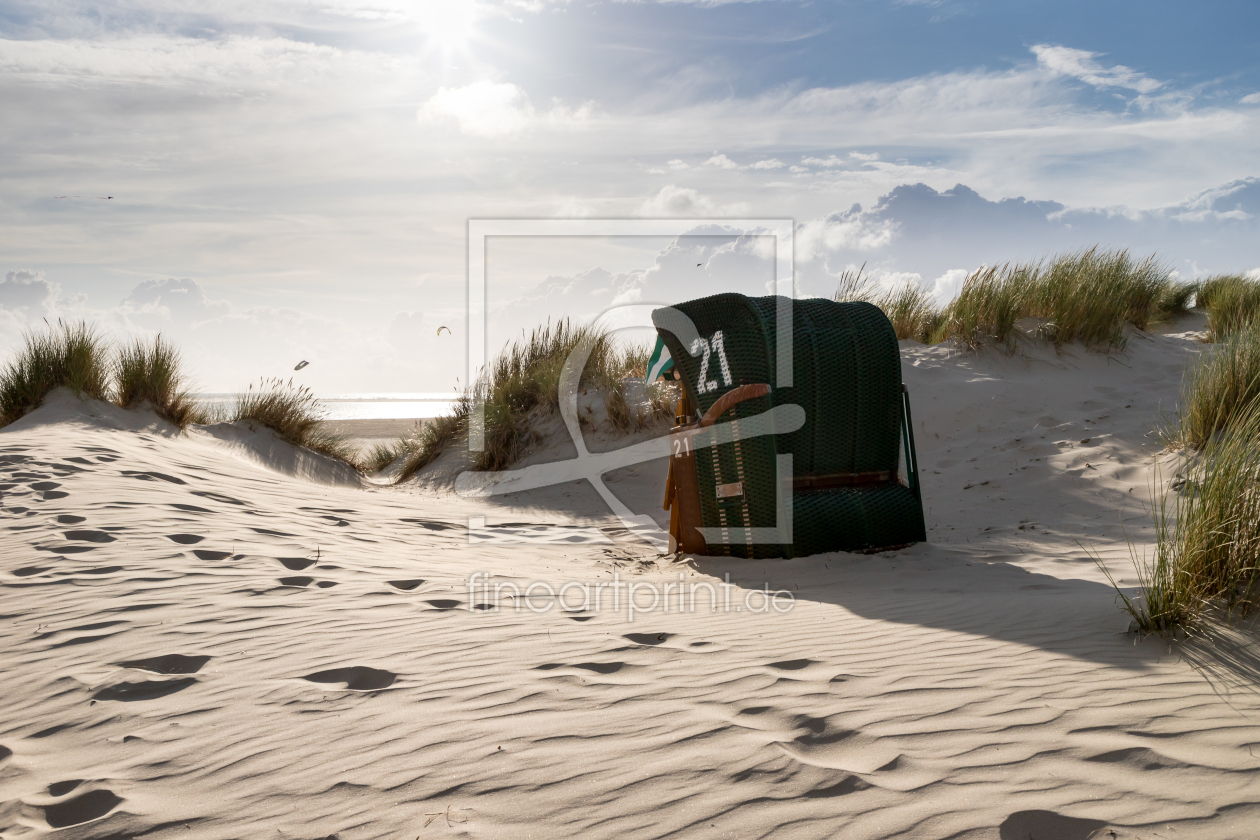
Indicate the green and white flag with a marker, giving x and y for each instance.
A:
(660, 363)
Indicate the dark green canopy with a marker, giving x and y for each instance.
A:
(846, 375)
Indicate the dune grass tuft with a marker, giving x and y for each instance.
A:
(70, 355)
(1087, 297)
(911, 309)
(294, 413)
(521, 387)
(1207, 546)
(1217, 390)
(1233, 304)
(150, 371)
(438, 434)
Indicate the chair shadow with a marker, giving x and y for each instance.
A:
(953, 589)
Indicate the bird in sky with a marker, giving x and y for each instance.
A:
(301, 364)
(448, 330)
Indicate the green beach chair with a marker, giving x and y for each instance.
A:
(846, 375)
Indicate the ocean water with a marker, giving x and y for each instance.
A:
(379, 406)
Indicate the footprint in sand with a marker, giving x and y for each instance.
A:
(356, 678)
(185, 539)
(49, 491)
(89, 536)
(5, 752)
(1023, 824)
(792, 664)
(70, 519)
(170, 663)
(87, 806)
(296, 564)
(648, 638)
(444, 604)
(207, 554)
(429, 524)
(219, 497)
(129, 692)
(297, 580)
(405, 585)
(149, 475)
(601, 667)
(27, 571)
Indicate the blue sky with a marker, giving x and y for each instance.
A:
(292, 179)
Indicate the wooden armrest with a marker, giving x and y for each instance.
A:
(730, 399)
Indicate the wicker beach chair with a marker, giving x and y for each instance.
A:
(844, 487)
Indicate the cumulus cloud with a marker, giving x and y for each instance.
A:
(1082, 64)
(770, 163)
(1251, 99)
(182, 301)
(706, 260)
(851, 230)
(721, 161)
(946, 287)
(677, 201)
(26, 290)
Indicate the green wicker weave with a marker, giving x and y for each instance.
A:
(847, 377)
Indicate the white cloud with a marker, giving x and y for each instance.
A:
(232, 63)
(677, 201)
(1251, 99)
(26, 290)
(861, 156)
(678, 164)
(771, 163)
(946, 287)
(1081, 64)
(827, 162)
(483, 109)
(851, 231)
(721, 161)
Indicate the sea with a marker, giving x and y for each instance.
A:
(369, 406)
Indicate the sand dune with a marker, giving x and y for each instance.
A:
(211, 635)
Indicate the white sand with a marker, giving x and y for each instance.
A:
(328, 677)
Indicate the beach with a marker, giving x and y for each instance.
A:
(217, 635)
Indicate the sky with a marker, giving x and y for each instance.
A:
(272, 181)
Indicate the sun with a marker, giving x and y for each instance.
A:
(448, 25)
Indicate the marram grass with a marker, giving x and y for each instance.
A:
(521, 387)
(1233, 304)
(151, 372)
(1207, 537)
(70, 355)
(1216, 391)
(1088, 297)
(292, 412)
